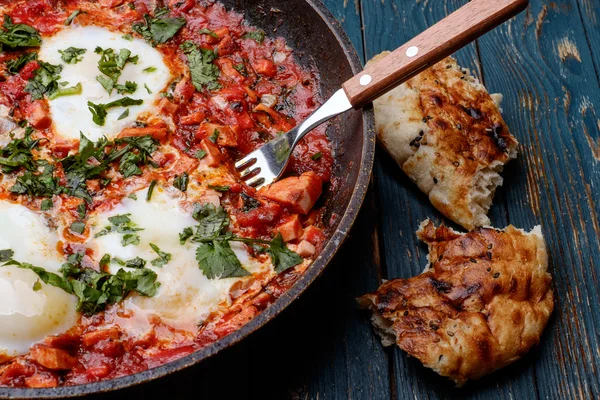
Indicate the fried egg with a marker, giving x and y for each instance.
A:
(70, 114)
(28, 315)
(185, 297)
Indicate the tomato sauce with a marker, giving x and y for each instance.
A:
(263, 92)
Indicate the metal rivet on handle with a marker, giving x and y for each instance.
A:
(412, 51)
(365, 80)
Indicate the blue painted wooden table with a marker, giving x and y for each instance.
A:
(546, 62)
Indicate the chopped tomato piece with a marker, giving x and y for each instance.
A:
(111, 3)
(91, 338)
(52, 358)
(41, 380)
(29, 69)
(291, 229)
(299, 193)
(213, 155)
(38, 114)
(305, 249)
(158, 132)
(183, 91)
(225, 135)
(167, 106)
(226, 66)
(193, 118)
(265, 67)
(314, 235)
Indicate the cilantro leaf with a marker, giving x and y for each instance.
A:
(18, 35)
(212, 220)
(150, 190)
(71, 55)
(136, 263)
(6, 255)
(17, 154)
(208, 32)
(111, 65)
(128, 87)
(158, 30)
(99, 111)
(14, 66)
(72, 17)
(45, 80)
(259, 36)
(46, 205)
(181, 181)
(185, 235)
(282, 257)
(70, 91)
(204, 72)
(78, 227)
(163, 258)
(217, 260)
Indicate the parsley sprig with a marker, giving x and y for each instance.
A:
(159, 28)
(95, 290)
(124, 225)
(18, 35)
(111, 65)
(215, 257)
(204, 73)
(100, 111)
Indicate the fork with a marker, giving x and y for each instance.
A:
(266, 164)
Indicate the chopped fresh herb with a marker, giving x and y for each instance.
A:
(128, 37)
(95, 290)
(208, 32)
(241, 68)
(185, 235)
(122, 224)
(14, 66)
(6, 255)
(72, 55)
(316, 156)
(128, 87)
(99, 111)
(204, 72)
(78, 227)
(17, 154)
(214, 254)
(163, 258)
(111, 65)
(282, 257)
(42, 184)
(259, 36)
(46, 205)
(181, 181)
(37, 286)
(200, 154)
(217, 260)
(70, 91)
(219, 188)
(147, 89)
(215, 135)
(104, 261)
(81, 210)
(136, 263)
(149, 70)
(131, 6)
(150, 190)
(125, 114)
(18, 35)
(132, 196)
(73, 15)
(158, 29)
(45, 80)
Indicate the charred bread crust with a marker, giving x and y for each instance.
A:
(483, 302)
(447, 134)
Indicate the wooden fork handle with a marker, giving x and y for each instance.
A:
(442, 39)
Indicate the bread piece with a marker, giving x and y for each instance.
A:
(482, 303)
(446, 133)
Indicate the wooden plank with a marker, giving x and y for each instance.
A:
(403, 207)
(542, 63)
(347, 12)
(589, 13)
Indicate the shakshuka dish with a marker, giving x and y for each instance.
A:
(127, 239)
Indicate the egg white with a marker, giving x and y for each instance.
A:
(28, 316)
(70, 114)
(185, 297)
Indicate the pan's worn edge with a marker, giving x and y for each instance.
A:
(333, 245)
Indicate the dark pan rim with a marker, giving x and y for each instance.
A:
(333, 245)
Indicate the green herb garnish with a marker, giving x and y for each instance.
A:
(72, 55)
(204, 73)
